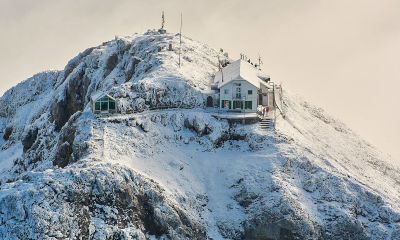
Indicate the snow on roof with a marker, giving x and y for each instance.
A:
(96, 96)
(238, 70)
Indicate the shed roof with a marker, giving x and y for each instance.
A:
(238, 70)
(96, 96)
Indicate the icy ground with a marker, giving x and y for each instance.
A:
(179, 173)
(240, 178)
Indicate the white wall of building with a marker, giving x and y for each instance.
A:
(228, 93)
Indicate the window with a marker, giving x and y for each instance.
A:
(226, 104)
(97, 106)
(248, 105)
(250, 92)
(238, 91)
(237, 104)
(112, 105)
(104, 106)
(226, 91)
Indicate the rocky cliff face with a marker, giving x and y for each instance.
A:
(98, 201)
(178, 173)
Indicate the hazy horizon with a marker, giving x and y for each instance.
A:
(340, 55)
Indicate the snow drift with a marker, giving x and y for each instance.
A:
(179, 173)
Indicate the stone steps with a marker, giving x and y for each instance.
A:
(266, 123)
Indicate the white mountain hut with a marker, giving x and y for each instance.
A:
(240, 88)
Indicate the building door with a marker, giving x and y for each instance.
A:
(209, 101)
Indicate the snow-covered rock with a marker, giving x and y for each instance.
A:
(166, 169)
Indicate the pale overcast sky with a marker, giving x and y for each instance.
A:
(341, 55)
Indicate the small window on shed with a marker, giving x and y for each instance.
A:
(226, 91)
(250, 92)
(104, 106)
(97, 106)
(112, 105)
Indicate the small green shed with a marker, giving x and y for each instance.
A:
(103, 103)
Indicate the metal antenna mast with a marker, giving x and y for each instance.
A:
(259, 62)
(162, 20)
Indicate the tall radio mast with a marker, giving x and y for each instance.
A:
(162, 20)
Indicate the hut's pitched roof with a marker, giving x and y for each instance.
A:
(238, 70)
(96, 96)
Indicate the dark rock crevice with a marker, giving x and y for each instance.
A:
(30, 139)
(270, 226)
(130, 71)
(7, 133)
(69, 68)
(65, 146)
(229, 136)
(111, 63)
(74, 98)
(148, 217)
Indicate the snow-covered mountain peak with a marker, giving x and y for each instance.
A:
(179, 173)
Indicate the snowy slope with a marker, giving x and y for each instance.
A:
(179, 173)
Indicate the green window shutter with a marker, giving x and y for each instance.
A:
(230, 105)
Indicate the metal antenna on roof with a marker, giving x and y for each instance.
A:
(180, 42)
(220, 68)
(259, 62)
